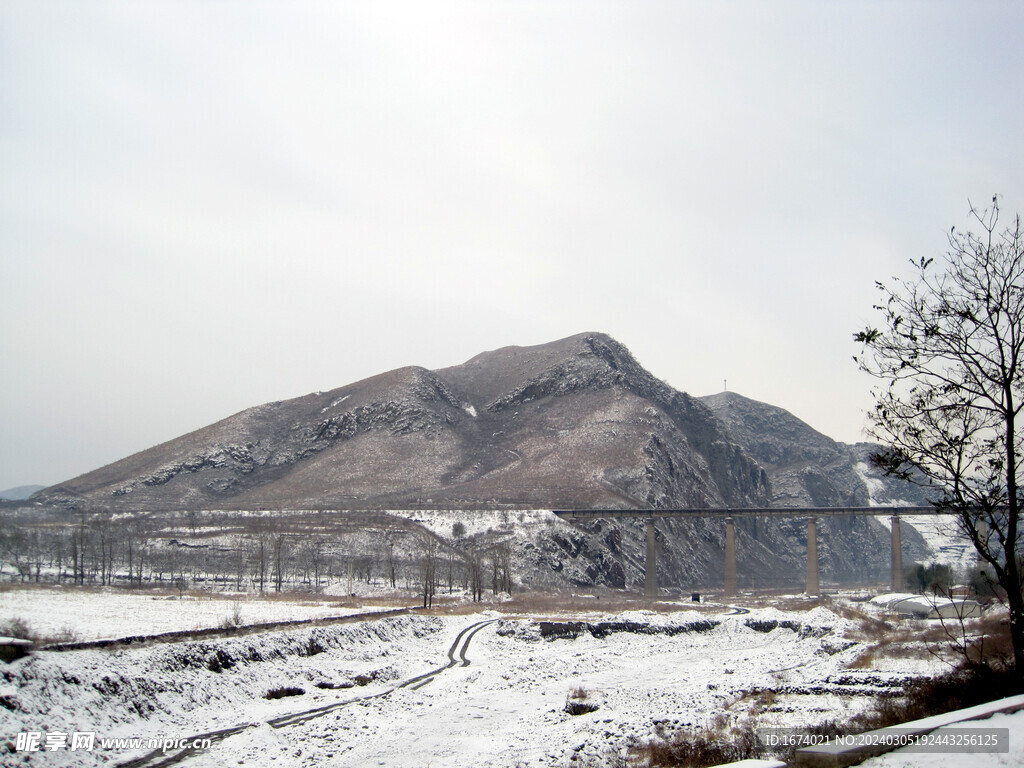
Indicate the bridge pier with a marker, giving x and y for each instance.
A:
(897, 555)
(813, 588)
(651, 563)
(730, 557)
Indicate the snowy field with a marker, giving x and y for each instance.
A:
(651, 673)
(507, 707)
(90, 614)
(483, 689)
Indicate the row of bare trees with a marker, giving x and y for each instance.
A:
(88, 551)
(261, 555)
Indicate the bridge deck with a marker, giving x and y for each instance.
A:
(576, 514)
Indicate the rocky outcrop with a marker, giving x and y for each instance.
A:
(808, 469)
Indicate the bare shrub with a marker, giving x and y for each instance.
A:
(234, 619)
(62, 636)
(977, 643)
(698, 748)
(17, 628)
(959, 689)
(865, 659)
(280, 693)
(580, 701)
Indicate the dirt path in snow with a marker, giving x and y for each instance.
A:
(158, 758)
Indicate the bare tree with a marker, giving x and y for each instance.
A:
(79, 542)
(142, 538)
(17, 545)
(503, 566)
(474, 562)
(238, 553)
(58, 552)
(279, 544)
(951, 358)
(106, 541)
(429, 570)
(313, 561)
(259, 555)
(390, 538)
(6, 528)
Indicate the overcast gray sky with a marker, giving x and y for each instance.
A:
(205, 206)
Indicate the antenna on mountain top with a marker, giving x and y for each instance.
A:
(725, 385)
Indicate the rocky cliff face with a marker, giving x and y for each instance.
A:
(808, 469)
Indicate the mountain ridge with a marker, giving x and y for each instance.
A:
(574, 422)
(806, 467)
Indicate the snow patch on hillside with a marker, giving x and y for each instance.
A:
(941, 533)
(521, 524)
(336, 403)
(875, 486)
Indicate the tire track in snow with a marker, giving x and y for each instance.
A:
(158, 758)
(418, 682)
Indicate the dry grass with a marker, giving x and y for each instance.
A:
(965, 685)
(520, 604)
(697, 748)
(724, 741)
(957, 689)
(758, 700)
(166, 591)
(984, 640)
(554, 604)
(580, 701)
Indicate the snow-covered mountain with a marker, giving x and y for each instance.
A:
(575, 423)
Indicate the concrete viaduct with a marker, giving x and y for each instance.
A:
(810, 513)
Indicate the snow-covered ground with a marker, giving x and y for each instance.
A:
(507, 708)
(516, 523)
(653, 672)
(90, 614)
